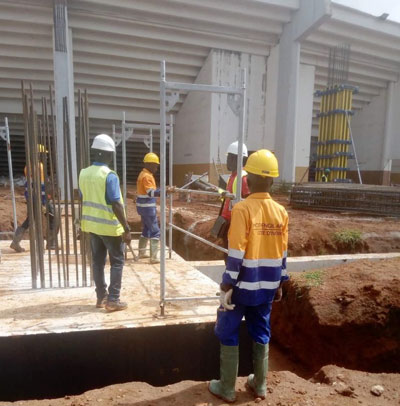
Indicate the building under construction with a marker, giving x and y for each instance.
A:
(313, 81)
(114, 51)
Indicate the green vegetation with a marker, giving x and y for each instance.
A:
(350, 239)
(314, 278)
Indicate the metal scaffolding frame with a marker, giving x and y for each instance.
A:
(5, 135)
(237, 102)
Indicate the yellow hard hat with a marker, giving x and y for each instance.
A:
(42, 148)
(151, 157)
(263, 163)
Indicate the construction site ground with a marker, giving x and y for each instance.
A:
(346, 315)
(333, 386)
(310, 232)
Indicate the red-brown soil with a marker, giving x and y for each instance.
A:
(310, 232)
(351, 317)
(348, 315)
(331, 386)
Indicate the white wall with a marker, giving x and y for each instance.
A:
(305, 98)
(227, 67)
(193, 122)
(271, 98)
(205, 124)
(394, 151)
(368, 126)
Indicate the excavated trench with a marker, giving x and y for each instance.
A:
(57, 365)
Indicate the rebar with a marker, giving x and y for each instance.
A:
(28, 166)
(57, 191)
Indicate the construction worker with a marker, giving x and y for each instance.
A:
(103, 216)
(255, 270)
(146, 207)
(226, 208)
(325, 175)
(48, 208)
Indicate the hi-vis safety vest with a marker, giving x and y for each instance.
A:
(97, 216)
(234, 186)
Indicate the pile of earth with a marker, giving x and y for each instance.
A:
(332, 385)
(347, 315)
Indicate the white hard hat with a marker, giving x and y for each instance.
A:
(103, 142)
(233, 149)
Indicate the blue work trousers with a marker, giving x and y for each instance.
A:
(150, 227)
(115, 247)
(257, 322)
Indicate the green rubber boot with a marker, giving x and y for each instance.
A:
(257, 382)
(154, 248)
(143, 247)
(229, 362)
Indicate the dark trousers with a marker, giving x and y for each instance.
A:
(257, 322)
(150, 228)
(225, 239)
(100, 244)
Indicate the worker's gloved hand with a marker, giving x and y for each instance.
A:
(225, 299)
(171, 189)
(126, 237)
(278, 295)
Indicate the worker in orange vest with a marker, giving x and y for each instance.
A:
(255, 271)
(147, 192)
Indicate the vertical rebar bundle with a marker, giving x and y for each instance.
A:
(334, 138)
(46, 221)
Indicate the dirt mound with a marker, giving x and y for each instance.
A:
(347, 315)
(331, 386)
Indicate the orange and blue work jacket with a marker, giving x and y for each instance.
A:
(146, 193)
(258, 240)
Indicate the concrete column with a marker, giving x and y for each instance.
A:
(63, 86)
(311, 14)
(286, 110)
(386, 158)
(305, 97)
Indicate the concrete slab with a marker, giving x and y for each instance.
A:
(215, 269)
(25, 311)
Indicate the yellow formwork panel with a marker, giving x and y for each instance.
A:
(333, 125)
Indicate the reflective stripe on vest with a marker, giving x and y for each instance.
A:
(97, 216)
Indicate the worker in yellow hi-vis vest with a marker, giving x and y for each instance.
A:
(103, 216)
(255, 270)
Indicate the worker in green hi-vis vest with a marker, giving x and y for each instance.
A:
(103, 216)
